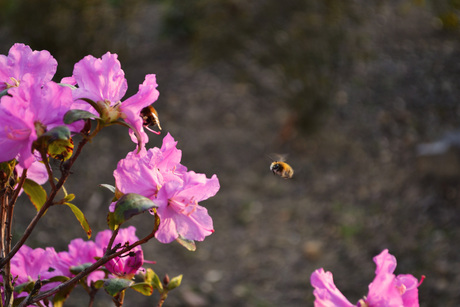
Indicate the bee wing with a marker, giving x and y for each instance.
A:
(278, 157)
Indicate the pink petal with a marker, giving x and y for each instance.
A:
(326, 293)
(22, 60)
(408, 286)
(383, 291)
(100, 79)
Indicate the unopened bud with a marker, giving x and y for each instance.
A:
(166, 280)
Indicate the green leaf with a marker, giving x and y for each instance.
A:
(149, 275)
(59, 278)
(75, 269)
(109, 187)
(188, 244)
(93, 104)
(36, 193)
(69, 197)
(3, 93)
(74, 115)
(61, 149)
(111, 221)
(143, 288)
(116, 285)
(57, 133)
(99, 284)
(129, 205)
(81, 218)
(174, 283)
(24, 287)
(156, 282)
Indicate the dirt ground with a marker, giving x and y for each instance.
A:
(356, 189)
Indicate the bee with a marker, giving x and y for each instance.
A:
(282, 169)
(150, 118)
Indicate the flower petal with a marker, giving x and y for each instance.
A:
(326, 293)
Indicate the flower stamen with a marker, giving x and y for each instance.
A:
(15, 83)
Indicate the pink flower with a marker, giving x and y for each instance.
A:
(180, 214)
(21, 60)
(145, 172)
(30, 111)
(79, 252)
(124, 266)
(326, 293)
(30, 264)
(103, 81)
(387, 290)
(157, 174)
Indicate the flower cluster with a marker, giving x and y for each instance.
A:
(103, 81)
(158, 175)
(40, 117)
(33, 104)
(31, 264)
(386, 289)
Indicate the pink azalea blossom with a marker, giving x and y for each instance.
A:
(180, 214)
(157, 174)
(30, 264)
(145, 172)
(103, 81)
(124, 266)
(31, 110)
(79, 252)
(127, 265)
(387, 290)
(21, 60)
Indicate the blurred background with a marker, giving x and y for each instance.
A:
(361, 95)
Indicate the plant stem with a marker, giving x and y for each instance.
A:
(48, 203)
(92, 294)
(109, 254)
(48, 169)
(7, 221)
(112, 239)
(163, 297)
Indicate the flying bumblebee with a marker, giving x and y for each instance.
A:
(282, 169)
(150, 119)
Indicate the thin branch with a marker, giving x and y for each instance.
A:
(112, 239)
(4, 201)
(109, 254)
(48, 169)
(8, 236)
(18, 188)
(48, 203)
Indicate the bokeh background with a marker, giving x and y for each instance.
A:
(361, 95)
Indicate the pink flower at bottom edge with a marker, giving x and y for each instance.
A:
(326, 293)
(385, 290)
